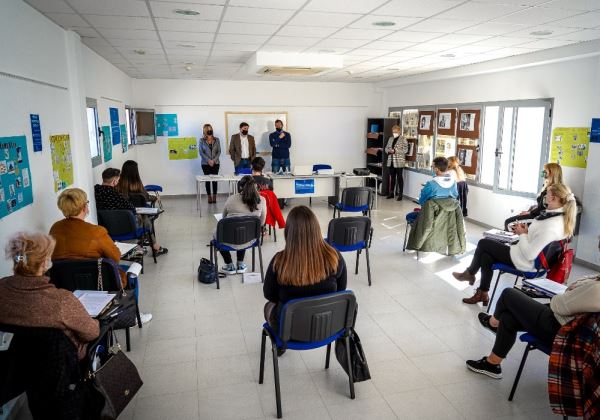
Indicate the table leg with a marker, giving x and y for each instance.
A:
(376, 190)
(199, 197)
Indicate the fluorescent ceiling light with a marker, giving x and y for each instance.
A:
(541, 33)
(384, 23)
(186, 12)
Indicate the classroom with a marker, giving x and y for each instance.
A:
(325, 209)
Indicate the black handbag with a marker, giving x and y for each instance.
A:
(206, 272)
(358, 361)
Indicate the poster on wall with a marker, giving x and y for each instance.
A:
(62, 161)
(114, 125)
(107, 143)
(36, 132)
(595, 134)
(468, 123)
(124, 143)
(570, 146)
(426, 119)
(16, 191)
(183, 148)
(166, 125)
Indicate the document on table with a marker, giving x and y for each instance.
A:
(218, 216)
(147, 210)
(94, 301)
(548, 286)
(125, 247)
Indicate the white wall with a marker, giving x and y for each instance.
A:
(327, 121)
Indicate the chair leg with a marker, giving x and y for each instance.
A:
(310, 201)
(261, 372)
(349, 364)
(152, 247)
(487, 311)
(217, 269)
(368, 265)
(523, 360)
(276, 376)
(253, 258)
(357, 255)
(127, 339)
(138, 316)
(328, 356)
(260, 262)
(405, 237)
(274, 234)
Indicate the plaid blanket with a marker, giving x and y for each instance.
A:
(574, 368)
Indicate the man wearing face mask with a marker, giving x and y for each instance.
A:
(395, 160)
(242, 148)
(280, 141)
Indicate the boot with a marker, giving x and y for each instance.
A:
(214, 198)
(479, 296)
(465, 276)
(209, 198)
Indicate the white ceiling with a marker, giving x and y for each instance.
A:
(428, 35)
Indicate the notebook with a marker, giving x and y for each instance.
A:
(546, 286)
(94, 301)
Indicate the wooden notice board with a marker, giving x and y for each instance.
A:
(446, 122)
(426, 121)
(468, 123)
(467, 157)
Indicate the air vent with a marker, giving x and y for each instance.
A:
(290, 71)
(270, 63)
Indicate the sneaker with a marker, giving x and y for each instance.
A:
(228, 269)
(484, 320)
(161, 251)
(145, 318)
(485, 368)
(241, 267)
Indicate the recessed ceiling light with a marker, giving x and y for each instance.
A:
(448, 55)
(186, 45)
(139, 52)
(384, 23)
(541, 33)
(186, 12)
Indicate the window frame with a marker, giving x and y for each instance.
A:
(93, 103)
(129, 121)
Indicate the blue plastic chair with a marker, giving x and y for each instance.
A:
(310, 323)
(121, 226)
(244, 171)
(505, 269)
(156, 189)
(355, 199)
(411, 218)
(349, 234)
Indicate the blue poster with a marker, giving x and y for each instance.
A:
(305, 186)
(114, 126)
(106, 143)
(15, 177)
(166, 125)
(36, 132)
(595, 134)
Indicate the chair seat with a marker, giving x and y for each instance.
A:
(301, 345)
(412, 216)
(348, 248)
(535, 342)
(512, 270)
(223, 247)
(153, 188)
(343, 207)
(127, 237)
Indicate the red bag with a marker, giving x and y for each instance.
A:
(561, 270)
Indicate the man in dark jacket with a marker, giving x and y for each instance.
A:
(280, 141)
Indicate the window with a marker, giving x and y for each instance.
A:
(130, 125)
(93, 131)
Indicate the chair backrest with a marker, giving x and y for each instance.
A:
(345, 233)
(357, 196)
(244, 171)
(138, 199)
(83, 275)
(42, 362)
(117, 222)
(319, 166)
(238, 230)
(551, 253)
(316, 318)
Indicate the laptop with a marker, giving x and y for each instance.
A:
(302, 170)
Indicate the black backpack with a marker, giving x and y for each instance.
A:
(206, 272)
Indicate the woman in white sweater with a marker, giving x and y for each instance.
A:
(556, 223)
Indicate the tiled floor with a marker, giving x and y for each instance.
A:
(199, 356)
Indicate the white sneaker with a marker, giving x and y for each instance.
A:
(228, 269)
(241, 267)
(145, 318)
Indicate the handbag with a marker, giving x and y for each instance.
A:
(206, 272)
(127, 317)
(558, 270)
(358, 361)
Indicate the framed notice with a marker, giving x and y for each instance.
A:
(467, 157)
(446, 122)
(426, 120)
(411, 153)
(468, 123)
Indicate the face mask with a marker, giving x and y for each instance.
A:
(278, 129)
(396, 135)
(48, 265)
(543, 174)
(244, 132)
(209, 132)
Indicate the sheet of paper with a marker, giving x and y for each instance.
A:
(218, 216)
(124, 247)
(135, 269)
(93, 301)
(146, 210)
(250, 278)
(547, 285)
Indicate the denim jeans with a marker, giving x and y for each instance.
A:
(284, 164)
(244, 164)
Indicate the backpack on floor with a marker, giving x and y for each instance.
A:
(206, 272)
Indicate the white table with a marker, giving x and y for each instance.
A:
(231, 179)
(284, 186)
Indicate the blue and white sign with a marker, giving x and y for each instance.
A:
(595, 134)
(114, 126)
(304, 186)
(36, 132)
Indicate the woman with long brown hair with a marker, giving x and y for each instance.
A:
(210, 150)
(461, 182)
(307, 266)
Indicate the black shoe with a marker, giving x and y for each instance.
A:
(389, 196)
(485, 368)
(399, 198)
(161, 251)
(484, 320)
(280, 352)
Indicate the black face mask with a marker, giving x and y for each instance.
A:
(209, 132)
(244, 132)
(278, 129)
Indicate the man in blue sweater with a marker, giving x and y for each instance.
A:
(280, 141)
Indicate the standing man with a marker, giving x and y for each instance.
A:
(242, 148)
(281, 141)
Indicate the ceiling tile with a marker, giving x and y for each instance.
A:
(207, 12)
(364, 34)
(518, 2)
(312, 31)
(120, 22)
(236, 47)
(502, 41)
(480, 11)
(135, 43)
(428, 59)
(555, 30)
(582, 35)
(469, 49)
(409, 36)
(196, 1)
(126, 51)
(225, 53)
(389, 45)
(290, 40)
(583, 5)
(87, 33)
(247, 28)
(256, 15)
(507, 52)
(348, 6)
(187, 36)
(537, 16)
(50, 6)
(111, 7)
(128, 34)
(546, 43)
(440, 25)
(370, 52)
(333, 20)
(272, 4)
(341, 43)
(407, 54)
(586, 20)
(491, 28)
(399, 21)
(67, 20)
(429, 47)
(460, 39)
(250, 39)
(177, 45)
(282, 48)
(186, 25)
(421, 8)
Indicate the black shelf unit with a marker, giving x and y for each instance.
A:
(379, 130)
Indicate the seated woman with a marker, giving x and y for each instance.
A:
(247, 203)
(554, 224)
(27, 298)
(78, 239)
(129, 182)
(516, 311)
(461, 182)
(307, 266)
(552, 174)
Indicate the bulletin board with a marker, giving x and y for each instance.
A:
(426, 121)
(468, 123)
(261, 124)
(446, 122)
(106, 143)
(16, 191)
(467, 157)
(62, 161)
(411, 153)
(570, 146)
(167, 125)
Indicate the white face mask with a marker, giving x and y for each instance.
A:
(396, 135)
